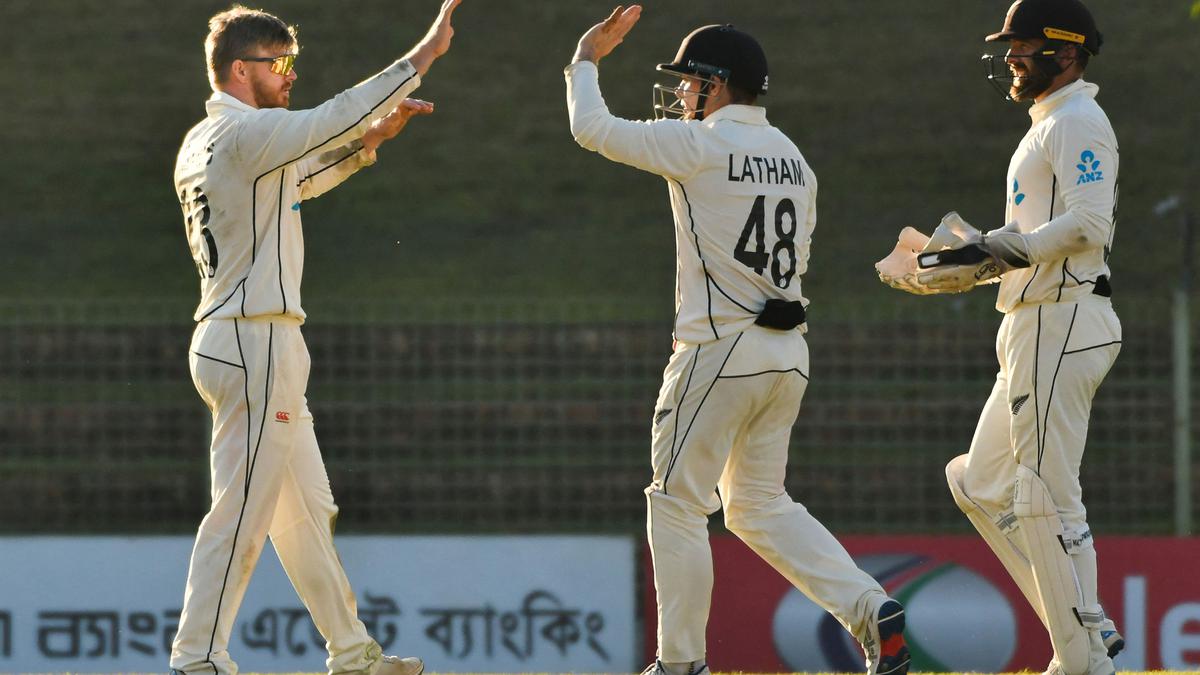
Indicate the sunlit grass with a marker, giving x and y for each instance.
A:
(738, 672)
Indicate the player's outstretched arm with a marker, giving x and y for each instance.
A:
(388, 126)
(599, 40)
(665, 147)
(436, 42)
(325, 171)
(272, 138)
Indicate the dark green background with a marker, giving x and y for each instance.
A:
(491, 197)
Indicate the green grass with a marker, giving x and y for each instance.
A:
(491, 196)
(743, 673)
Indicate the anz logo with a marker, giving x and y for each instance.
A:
(1089, 168)
(1017, 195)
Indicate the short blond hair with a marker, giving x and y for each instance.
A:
(236, 32)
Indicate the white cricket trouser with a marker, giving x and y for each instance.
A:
(267, 477)
(723, 419)
(1053, 358)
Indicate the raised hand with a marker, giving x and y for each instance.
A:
(441, 31)
(436, 41)
(599, 41)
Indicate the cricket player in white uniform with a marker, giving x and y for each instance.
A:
(744, 203)
(241, 176)
(1019, 484)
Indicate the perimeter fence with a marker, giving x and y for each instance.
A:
(534, 417)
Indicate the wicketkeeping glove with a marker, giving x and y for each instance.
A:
(960, 268)
(899, 268)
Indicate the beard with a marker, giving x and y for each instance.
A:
(1030, 83)
(268, 96)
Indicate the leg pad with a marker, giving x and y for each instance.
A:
(1057, 587)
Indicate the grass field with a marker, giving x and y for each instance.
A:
(742, 673)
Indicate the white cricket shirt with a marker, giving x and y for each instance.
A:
(1062, 191)
(241, 175)
(743, 198)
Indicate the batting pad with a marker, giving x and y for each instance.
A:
(1005, 549)
(1057, 586)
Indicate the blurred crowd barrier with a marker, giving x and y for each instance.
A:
(485, 417)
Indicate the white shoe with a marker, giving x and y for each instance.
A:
(1103, 666)
(657, 668)
(1055, 669)
(396, 665)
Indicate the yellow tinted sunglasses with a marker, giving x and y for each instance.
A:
(280, 65)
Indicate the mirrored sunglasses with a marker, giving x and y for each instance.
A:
(280, 65)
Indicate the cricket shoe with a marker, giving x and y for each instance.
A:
(886, 652)
(1055, 669)
(658, 668)
(396, 665)
(1114, 642)
(1098, 662)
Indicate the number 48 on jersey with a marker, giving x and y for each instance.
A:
(758, 259)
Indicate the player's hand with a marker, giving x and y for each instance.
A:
(441, 31)
(945, 275)
(436, 41)
(981, 259)
(599, 41)
(899, 268)
(389, 125)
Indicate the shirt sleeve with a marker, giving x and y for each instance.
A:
(322, 172)
(1084, 157)
(270, 138)
(664, 147)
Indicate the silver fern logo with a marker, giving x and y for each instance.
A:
(1018, 402)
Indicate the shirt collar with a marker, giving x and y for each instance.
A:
(1040, 110)
(220, 100)
(737, 112)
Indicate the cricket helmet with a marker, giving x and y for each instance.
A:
(1059, 20)
(722, 51)
(716, 51)
(1059, 23)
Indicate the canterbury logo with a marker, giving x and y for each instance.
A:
(282, 416)
(1018, 402)
(661, 415)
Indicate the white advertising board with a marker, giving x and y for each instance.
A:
(464, 604)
